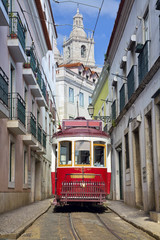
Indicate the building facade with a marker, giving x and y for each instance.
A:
(27, 106)
(76, 74)
(134, 89)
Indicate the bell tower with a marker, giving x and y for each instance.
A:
(78, 47)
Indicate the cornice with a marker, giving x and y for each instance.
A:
(119, 26)
(43, 23)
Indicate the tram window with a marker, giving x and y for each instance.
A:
(99, 155)
(82, 152)
(65, 153)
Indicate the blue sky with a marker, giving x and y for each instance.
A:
(63, 14)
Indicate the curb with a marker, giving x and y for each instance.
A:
(136, 225)
(23, 228)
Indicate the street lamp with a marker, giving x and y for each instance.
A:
(103, 118)
(90, 109)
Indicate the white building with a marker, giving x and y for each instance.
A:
(134, 58)
(76, 74)
(27, 115)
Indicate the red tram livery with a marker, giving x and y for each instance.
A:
(83, 162)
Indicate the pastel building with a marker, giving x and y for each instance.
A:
(134, 89)
(27, 104)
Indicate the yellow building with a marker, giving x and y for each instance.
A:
(100, 99)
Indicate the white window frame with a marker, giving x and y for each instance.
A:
(71, 95)
(81, 99)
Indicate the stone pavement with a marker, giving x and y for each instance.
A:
(15, 222)
(136, 217)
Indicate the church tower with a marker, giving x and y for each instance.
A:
(79, 47)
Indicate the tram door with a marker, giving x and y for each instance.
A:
(119, 149)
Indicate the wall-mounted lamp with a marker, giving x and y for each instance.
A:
(91, 112)
(120, 76)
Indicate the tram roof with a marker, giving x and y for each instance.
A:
(81, 127)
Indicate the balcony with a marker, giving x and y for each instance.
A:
(122, 97)
(30, 137)
(29, 68)
(143, 62)
(4, 112)
(40, 147)
(39, 91)
(16, 40)
(131, 81)
(39, 134)
(16, 124)
(44, 139)
(4, 19)
(52, 111)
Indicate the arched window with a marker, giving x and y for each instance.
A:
(68, 52)
(83, 51)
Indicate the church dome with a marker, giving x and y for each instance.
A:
(78, 32)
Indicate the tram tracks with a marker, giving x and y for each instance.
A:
(74, 232)
(108, 228)
(77, 234)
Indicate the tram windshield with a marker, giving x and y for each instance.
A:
(65, 153)
(82, 152)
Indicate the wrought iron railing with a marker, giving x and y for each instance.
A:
(3, 87)
(44, 139)
(39, 77)
(16, 28)
(143, 62)
(5, 3)
(39, 133)
(122, 97)
(43, 89)
(113, 110)
(33, 125)
(17, 107)
(131, 81)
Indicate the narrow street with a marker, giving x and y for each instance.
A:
(56, 224)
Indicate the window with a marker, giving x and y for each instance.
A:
(25, 168)
(90, 100)
(81, 99)
(71, 95)
(12, 165)
(68, 52)
(99, 155)
(65, 153)
(12, 162)
(83, 51)
(127, 151)
(82, 152)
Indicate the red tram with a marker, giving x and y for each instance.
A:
(83, 162)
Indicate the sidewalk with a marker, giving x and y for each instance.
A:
(136, 217)
(15, 222)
